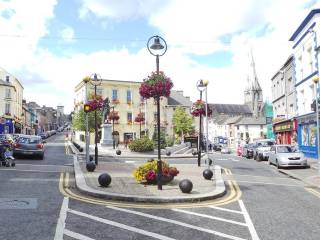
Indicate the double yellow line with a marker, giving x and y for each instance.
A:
(65, 189)
(314, 192)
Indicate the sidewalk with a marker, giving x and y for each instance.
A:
(123, 186)
(108, 151)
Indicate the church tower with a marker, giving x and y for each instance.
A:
(253, 91)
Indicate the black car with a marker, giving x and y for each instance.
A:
(247, 150)
(216, 147)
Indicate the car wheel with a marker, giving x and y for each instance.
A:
(41, 157)
(278, 166)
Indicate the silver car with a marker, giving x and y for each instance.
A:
(29, 145)
(286, 156)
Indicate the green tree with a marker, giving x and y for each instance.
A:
(79, 120)
(182, 122)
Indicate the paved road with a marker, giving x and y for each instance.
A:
(268, 205)
(29, 195)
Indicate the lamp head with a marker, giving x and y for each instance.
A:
(315, 79)
(156, 44)
(205, 82)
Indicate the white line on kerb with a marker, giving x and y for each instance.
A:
(247, 218)
(120, 225)
(76, 235)
(62, 219)
(225, 209)
(210, 217)
(167, 220)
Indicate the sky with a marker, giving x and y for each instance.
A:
(51, 45)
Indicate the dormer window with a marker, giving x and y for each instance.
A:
(7, 79)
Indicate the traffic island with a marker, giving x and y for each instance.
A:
(125, 188)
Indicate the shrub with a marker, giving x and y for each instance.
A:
(169, 141)
(141, 145)
(147, 172)
(162, 139)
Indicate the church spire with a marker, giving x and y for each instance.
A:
(254, 80)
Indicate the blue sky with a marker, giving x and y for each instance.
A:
(50, 45)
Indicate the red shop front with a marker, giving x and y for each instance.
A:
(285, 132)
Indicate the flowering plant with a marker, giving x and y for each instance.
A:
(114, 116)
(199, 108)
(156, 85)
(96, 103)
(148, 171)
(139, 118)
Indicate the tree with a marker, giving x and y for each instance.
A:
(79, 120)
(182, 122)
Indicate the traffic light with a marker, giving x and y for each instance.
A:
(86, 108)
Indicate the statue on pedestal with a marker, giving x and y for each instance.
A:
(105, 110)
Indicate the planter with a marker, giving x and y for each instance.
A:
(164, 180)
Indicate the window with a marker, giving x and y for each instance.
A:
(155, 116)
(7, 108)
(8, 93)
(129, 117)
(99, 91)
(290, 86)
(129, 96)
(114, 95)
(310, 63)
(7, 78)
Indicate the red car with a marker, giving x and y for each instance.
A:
(239, 151)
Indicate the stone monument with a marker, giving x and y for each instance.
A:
(106, 133)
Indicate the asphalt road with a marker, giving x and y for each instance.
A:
(270, 206)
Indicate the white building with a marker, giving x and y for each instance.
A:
(306, 41)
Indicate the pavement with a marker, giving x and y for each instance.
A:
(123, 186)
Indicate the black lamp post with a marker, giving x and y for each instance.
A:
(113, 141)
(158, 49)
(95, 81)
(201, 87)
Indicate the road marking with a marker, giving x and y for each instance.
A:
(167, 220)
(21, 170)
(76, 235)
(120, 225)
(210, 217)
(62, 219)
(225, 209)
(247, 218)
(130, 161)
(314, 192)
(268, 183)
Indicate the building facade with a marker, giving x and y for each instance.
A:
(305, 46)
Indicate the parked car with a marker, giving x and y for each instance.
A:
(286, 156)
(43, 135)
(29, 145)
(225, 150)
(216, 147)
(261, 149)
(247, 151)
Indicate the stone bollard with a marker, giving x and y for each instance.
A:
(207, 174)
(104, 180)
(185, 186)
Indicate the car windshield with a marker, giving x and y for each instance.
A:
(265, 144)
(29, 140)
(285, 149)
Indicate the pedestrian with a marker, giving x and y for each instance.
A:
(125, 143)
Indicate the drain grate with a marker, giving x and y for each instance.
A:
(18, 203)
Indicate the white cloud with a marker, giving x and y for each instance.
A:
(67, 33)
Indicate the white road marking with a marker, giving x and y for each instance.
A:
(21, 170)
(76, 235)
(177, 223)
(130, 161)
(268, 183)
(235, 160)
(210, 217)
(247, 218)
(225, 209)
(119, 225)
(62, 219)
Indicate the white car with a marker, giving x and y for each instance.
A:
(225, 150)
(286, 156)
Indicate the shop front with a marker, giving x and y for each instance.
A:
(285, 132)
(307, 135)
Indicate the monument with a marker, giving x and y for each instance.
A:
(106, 127)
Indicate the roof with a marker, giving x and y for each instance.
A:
(231, 108)
(5, 83)
(252, 121)
(176, 99)
(304, 23)
(232, 120)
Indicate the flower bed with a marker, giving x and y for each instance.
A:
(147, 172)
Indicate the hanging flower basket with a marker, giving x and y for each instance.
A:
(95, 104)
(198, 108)
(139, 118)
(156, 85)
(114, 116)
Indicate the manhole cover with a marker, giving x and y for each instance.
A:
(18, 203)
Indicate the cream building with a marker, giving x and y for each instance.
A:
(125, 98)
(11, 94)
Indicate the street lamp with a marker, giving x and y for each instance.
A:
(113, 141)
(158, 48)
(86, 80)
(202, 86)
(95, 80)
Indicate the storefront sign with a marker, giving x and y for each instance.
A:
(283, 127)
(192, 140)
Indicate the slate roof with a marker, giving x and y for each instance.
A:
(177, 99)
(252, 121)
(5, 83)
(231, 109)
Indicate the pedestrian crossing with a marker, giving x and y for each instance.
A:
(211, 222)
